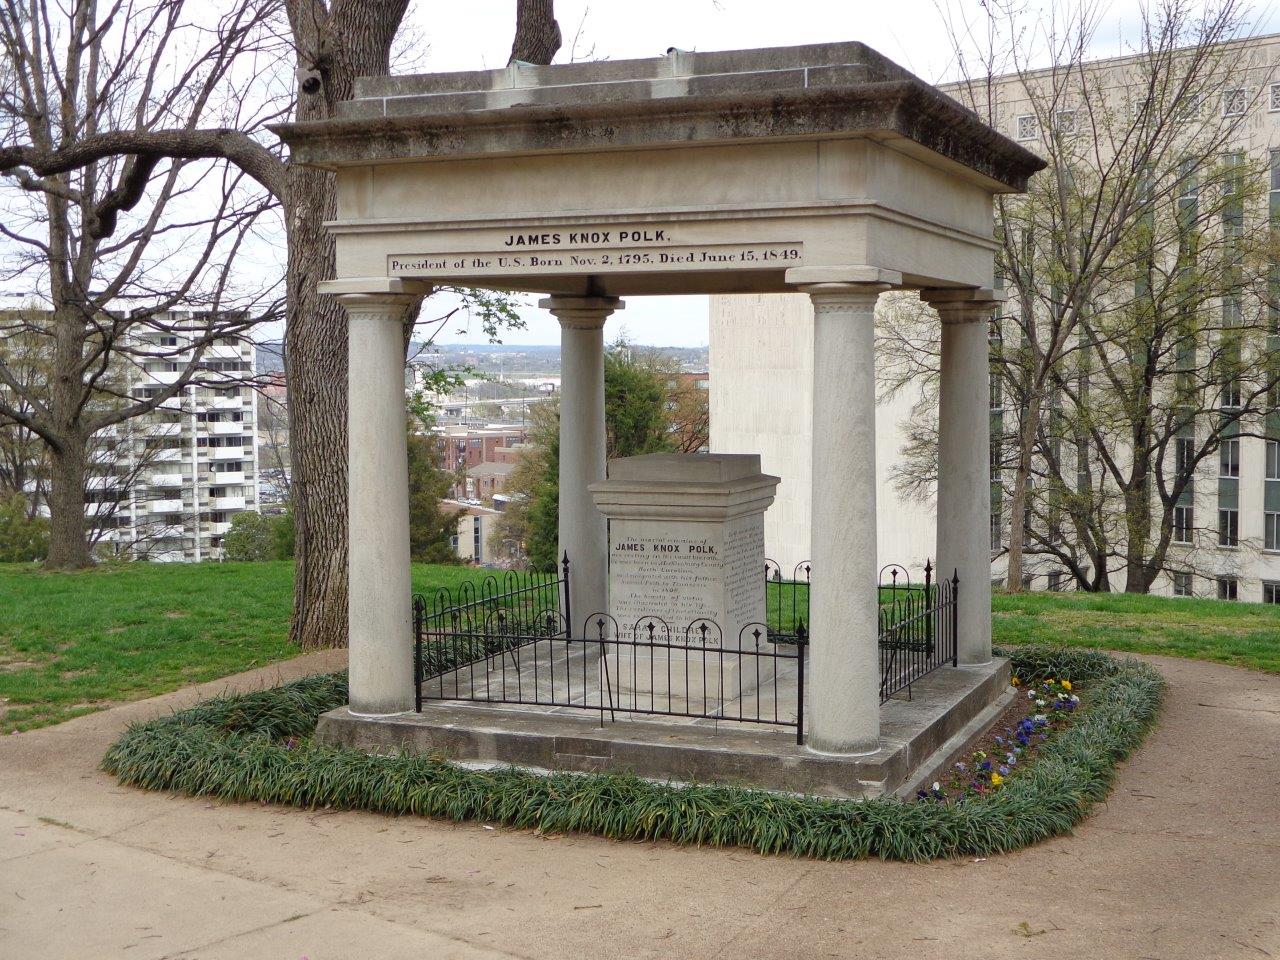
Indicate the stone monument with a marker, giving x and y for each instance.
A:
(686, 569)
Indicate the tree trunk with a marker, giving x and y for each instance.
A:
(358, 38)
(537, 33)
(316, 369)
(1018, 499)
(68, 549)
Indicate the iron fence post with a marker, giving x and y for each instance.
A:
(802, 640)
(417, 654)
(930, 632)
(568, 611)
(955, 618)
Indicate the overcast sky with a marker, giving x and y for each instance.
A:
(477, 35)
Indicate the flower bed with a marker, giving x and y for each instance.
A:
(258, 747)
(1012, 741)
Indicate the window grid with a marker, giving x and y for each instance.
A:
(1228, 588)
(1270, 591)
(1271, 531)
(1182, 583)
(1028, 127)
(1234, 102)
(1183, 524)
(1229, 459)
(1184, 449)
(1228, 527)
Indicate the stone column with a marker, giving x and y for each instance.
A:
(380, 593)
(583, 534)
(844, 655)
(964, 464)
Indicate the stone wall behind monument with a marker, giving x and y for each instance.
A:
(761, 372)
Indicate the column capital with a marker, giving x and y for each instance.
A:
(964, 304)
(833, 296)
(581, 313)
(391, 306)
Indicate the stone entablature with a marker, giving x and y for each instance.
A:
(727, 172)
(805, 91)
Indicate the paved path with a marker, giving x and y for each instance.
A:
(1183, 862)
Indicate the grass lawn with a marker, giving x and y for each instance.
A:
(75, 643)
(1242, 634)
(72, 643)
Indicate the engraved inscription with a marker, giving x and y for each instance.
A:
(597, 259)
(676, 579)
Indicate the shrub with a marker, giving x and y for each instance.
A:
(256, 747)
(249, 538)
(22, 538)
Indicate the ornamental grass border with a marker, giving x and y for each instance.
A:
(258, 747)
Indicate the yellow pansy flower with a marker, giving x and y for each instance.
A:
(1066, 684)
(996, 779)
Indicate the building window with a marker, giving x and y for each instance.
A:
(1270, 591)
(1183, 523)
(1184, 450)
(1231, 395)
(1181, 583)
(1055, 580)
(1028, 127)
(1233, 103)
(1228, 588)
(1229, 459)
(475, 539)
(1228, 528)
(996, 525)
(1066, 122)
(1271, 531)
(1273, 459)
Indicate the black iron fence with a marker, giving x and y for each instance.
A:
(514, 646)
(509, 641)
(917, 627)
(473, 629)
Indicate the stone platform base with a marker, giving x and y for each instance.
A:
(916, 736)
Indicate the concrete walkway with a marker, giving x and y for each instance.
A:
(1183, 862)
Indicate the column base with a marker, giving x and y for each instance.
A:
(853, 750)
(375, 714)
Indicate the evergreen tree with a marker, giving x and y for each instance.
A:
(431, 529)
(637, 421)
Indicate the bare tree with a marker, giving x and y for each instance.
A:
(76, 72)
(1072, 247)
(24, 457)
(1138, 299)
(334, 42)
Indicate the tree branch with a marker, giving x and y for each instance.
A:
(147, 148)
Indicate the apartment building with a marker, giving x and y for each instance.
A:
(467, 447)
(179, 474)
(1227, 524)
